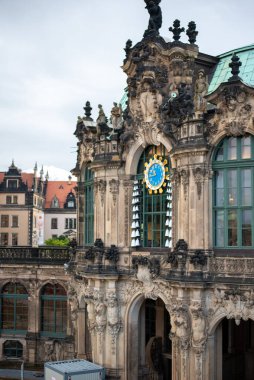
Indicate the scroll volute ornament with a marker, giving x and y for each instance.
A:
(235, 109)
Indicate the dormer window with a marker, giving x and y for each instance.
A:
(70, 204)
(55, 202)
(70, 201)
(12, 183)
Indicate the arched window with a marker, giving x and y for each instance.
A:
(152, 210)
(14, 308)
(53, 310)
(233, 199)
(12, 349)
(89, 207)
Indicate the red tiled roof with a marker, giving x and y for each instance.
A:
(60, 189)
(26, 178)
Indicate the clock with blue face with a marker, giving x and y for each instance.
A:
(155, 174)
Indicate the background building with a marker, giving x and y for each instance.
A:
(60, 209)
(34, 209)
(22, 197)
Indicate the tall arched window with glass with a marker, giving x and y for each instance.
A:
(152, 200)
(53, 310)
(14, 308)
(233, 210)
(89, 207)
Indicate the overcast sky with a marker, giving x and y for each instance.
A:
(56, 54)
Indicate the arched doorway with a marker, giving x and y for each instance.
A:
(149, 349)
(235, 345)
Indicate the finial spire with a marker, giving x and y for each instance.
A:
(41, 172)
(192, 32)
(235, 67)
(176, 30)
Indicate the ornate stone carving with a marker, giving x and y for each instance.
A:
(235, 129)
(199, 176)
(147, 134)
(140, 263)
(192, 32)
(112, 254)
(114, 323)
(199, 326)
(176, 108)
(73, 302)
(232, 266)
(155, 19)
(91, 314)
(185, 174)
(54, 350)
(150, 290)
(199, 258)
(201, 87)
(85, 152)
(234, 113)
(114, 189)
(178, 257)
(235, 65)
(100, 186)
(101, 122)
(176, 30)
(148, 98)
(235, 303)
(127, 49)
(95, 252)
(116, 117)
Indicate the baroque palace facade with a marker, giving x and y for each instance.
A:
(164, 279)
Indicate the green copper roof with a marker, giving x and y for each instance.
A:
(124, 99)
(223, 72)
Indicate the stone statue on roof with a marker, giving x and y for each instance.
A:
(155, 20)
(116, 116)
(101, 122)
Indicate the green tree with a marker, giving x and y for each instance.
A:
(60, 241)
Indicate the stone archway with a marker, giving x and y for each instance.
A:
(149, 354)
(234, 350)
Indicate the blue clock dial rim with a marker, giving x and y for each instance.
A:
(154, 174)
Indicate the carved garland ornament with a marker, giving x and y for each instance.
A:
(114, 189)
(100, 186)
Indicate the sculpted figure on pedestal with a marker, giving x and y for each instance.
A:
(116, 116)
(201, 87)
(199, 333)
(91, 315)
(147, 102)
(101, 316)
(113, 313)
(155, 20)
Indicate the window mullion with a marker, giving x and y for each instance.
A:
(225, 207)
